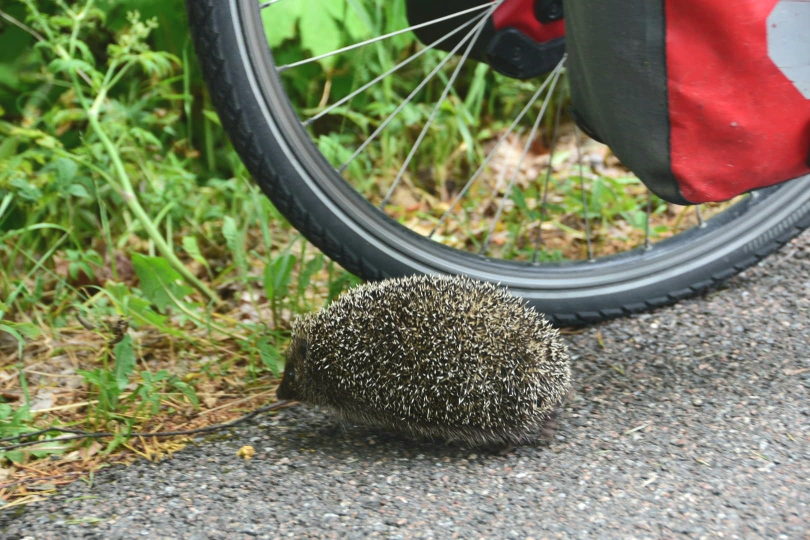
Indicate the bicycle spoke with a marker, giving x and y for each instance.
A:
(390, 71)
(387, 111)
(494, 150)
(526, 149)
(554, 136)
(388, 36)
(410, 97)
(498, 181)
(584, 195)
(436, 107)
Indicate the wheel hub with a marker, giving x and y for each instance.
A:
(521, 39)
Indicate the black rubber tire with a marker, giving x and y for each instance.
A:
(254, 111)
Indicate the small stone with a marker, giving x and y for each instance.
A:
(246, 452)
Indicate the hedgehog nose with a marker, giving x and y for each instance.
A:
(285, 391)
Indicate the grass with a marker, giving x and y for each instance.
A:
(481, 106)
(146, 284)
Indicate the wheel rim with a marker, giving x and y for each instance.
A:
(720, 235)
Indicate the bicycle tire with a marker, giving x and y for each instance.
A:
(258, 118)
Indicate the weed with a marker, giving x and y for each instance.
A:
(133, 294)
(145, 283)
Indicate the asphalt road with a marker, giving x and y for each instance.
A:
(690, 422)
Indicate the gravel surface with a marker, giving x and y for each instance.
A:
(688, 422)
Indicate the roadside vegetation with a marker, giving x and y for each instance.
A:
(145, 282)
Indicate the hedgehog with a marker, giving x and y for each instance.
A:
(432, 357)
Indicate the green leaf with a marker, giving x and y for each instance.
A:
(26, 190)
(231, 233)
(49, 142)
(234, 238)
(62, 116)
(14, 422)
(270, 355)
(277, 275)
(150, 379)
(5, 411)
(16, 335)
(158, 63)
(157, 277)
(48, 447)
(87, 55)
(310, 269)
(637, 219)
(144, 137)
(8, 147)
(66, 170)
(27, 330)
(281, 25)
(138, 308)
(8, 77)
(188, 391)
(15, 456)
(117, 441)
(630, 180)
(61, 21)
(124, 362)
(212, 117)
(69, 65)
(106, 387)
(193, 249)
(95, 377)
(324, 25)
(319, 32)
(78, 190)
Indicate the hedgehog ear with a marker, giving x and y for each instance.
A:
(298, 323)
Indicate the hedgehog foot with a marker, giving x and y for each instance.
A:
(552, 424)
(504, 450)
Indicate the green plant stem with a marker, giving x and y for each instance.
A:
(118, 76)
(13, 296)
(105, 228)
(59, 50)
(76, 25)
(135, 206)
(193, 316)
(126, 187)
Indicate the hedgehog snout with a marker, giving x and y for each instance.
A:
(296, 354)
(286, 390)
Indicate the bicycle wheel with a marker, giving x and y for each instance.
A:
(303, 170)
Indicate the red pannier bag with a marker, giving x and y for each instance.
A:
(702, 99)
